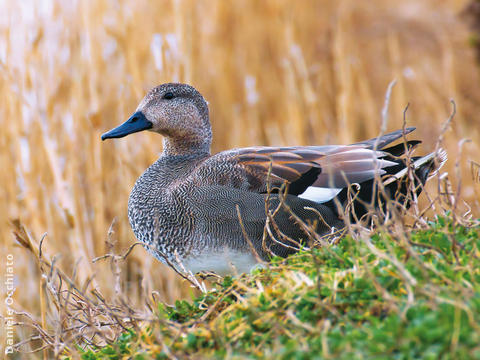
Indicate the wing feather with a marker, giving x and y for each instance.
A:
(318, 166)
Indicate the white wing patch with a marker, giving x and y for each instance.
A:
(319, 195)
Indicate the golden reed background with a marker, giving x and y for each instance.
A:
(274, 72)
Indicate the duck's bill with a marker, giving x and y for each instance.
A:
(137, 122)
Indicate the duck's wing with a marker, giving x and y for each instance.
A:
(382, 141)
(312, 166)
(319, 172)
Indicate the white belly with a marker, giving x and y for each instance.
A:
(221, 262)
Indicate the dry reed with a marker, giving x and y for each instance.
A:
(274, 72)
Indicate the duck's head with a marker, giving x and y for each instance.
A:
(177, 111)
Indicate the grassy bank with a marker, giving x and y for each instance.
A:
(404, 296)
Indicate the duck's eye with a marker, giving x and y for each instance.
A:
(168, 95)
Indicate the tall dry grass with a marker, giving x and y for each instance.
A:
(274, 72)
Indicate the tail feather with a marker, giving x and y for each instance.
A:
(399, 149)
(427, 166)
(396, 184)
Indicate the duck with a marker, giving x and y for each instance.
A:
(236, 209)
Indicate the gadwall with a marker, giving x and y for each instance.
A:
(208, 212)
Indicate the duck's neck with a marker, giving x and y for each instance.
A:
(187, 145)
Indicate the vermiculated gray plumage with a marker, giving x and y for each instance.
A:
(185, 205)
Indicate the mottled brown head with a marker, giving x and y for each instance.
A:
(178, 112)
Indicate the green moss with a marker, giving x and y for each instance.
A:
(416, 296)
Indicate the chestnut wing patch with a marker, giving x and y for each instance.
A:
(296, 166)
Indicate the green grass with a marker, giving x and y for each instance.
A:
(415, 296)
